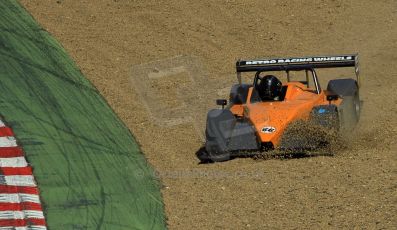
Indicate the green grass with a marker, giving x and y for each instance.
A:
(89, 168)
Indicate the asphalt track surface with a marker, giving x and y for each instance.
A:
(115, 42)
(89, 169)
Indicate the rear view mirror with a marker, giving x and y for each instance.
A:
(221, 102)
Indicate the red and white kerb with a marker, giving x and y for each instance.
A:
(20, 206)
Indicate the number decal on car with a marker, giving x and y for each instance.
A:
(268, 129)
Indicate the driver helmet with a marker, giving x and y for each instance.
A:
(269, 88)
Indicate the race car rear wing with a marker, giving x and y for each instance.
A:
(298, 63)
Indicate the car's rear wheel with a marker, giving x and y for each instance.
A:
(357, 106)
(349, 112)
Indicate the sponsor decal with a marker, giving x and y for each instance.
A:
(299, 60)
(268, 129)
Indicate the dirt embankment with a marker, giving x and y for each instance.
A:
(356, 188)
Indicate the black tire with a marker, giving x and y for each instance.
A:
(220, 157)
(349, 112)
(203, 156)
(206, 157)
(357, 106)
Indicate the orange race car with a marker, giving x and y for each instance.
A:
(258, 114)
